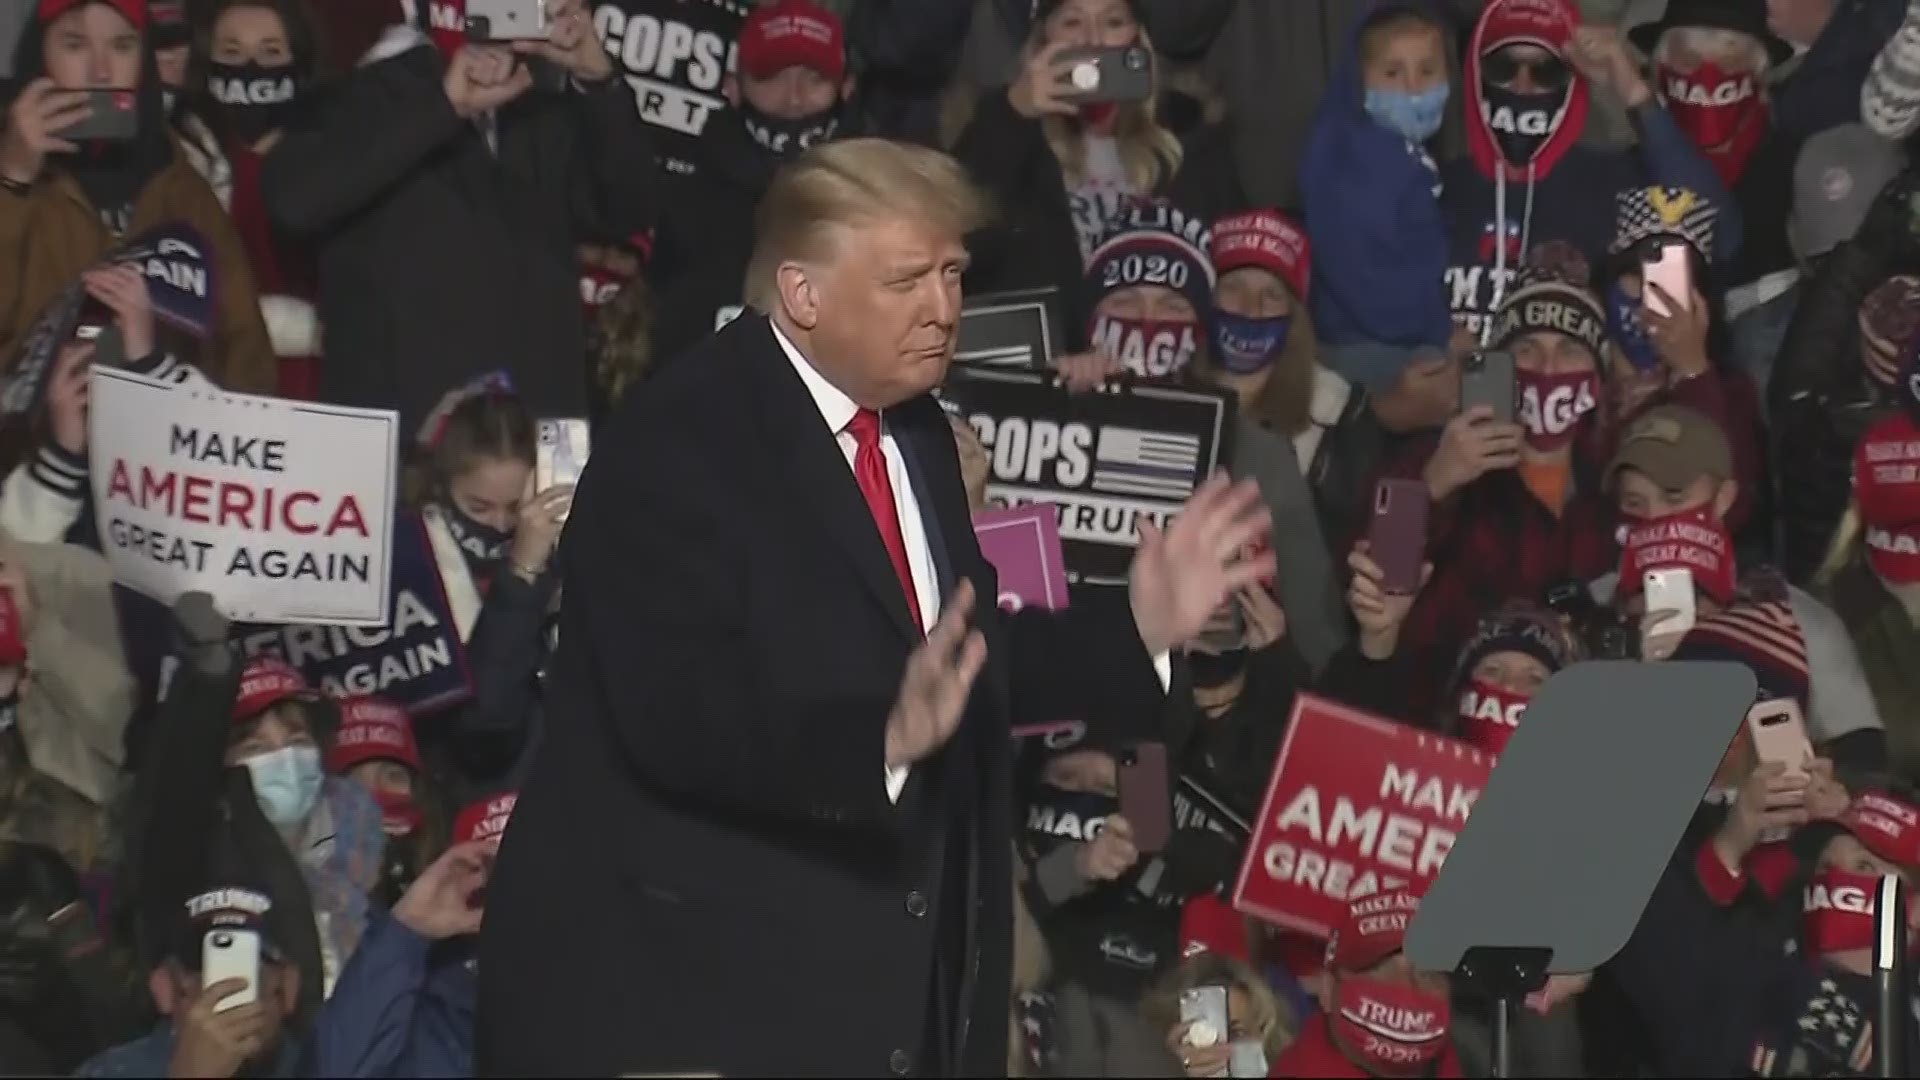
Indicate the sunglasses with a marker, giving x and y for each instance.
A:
(1503, 68)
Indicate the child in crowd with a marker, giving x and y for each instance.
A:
(1372, 194)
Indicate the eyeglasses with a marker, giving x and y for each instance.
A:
(1548, 72)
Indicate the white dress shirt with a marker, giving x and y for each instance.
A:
(837, 409)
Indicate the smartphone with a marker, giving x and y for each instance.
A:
(231, 954)
(1108, 75)
(1669, 590)
(560, 452)
(506, 20)
(1146, 798)
(1780, 734)
(1669, 266)
(1248, 1059)
(112, 116)
(1397, 535)
(1204, 1010)
(1487, 378)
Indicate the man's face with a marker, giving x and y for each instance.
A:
(93, 47)
(1526, 69)
(1640, 497)
(1091, 772)
(1685, 48)
(1546, 352)
(171, 64)
(1799, 21)
(885, 305)
(792, 93)
(1146, 302)
(250, 34)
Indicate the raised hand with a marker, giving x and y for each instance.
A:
(1039, 89)
(482, 78)
(439, 904)
(1107, 856)
(1180, 577)
(1085, 371)
(32, 131)
(1379, 613)
(938, 679)
(68, 385)
(217, 1043)
(571, 43)
(538, 530)
(124, 290)
(1472, 445)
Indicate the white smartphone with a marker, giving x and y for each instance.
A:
(1780, 734)
(1671, 268)
(231, 954)
(560, 452)
(1204, 1010)
(1670, 590)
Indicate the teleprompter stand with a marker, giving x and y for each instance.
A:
(1570, 835)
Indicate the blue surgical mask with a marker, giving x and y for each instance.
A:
(1624, 326)
(1245, 345)
(1415, 116)
(286, 782)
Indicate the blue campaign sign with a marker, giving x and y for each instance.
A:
(416, 661)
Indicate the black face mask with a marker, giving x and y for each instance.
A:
(484, 546)
(1212, 670)
(246, 101)
(1057, 816)
(787, 139)
(1522, 123)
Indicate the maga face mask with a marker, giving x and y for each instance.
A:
(1392, 1028)
(1722, 111)
(1551, 405)
(1521, 123)
(250, 100)
(1150, 348)
(1490, 714)
(484, 546)
(1246, 345)
(1836, 912)
(788, 139)
(286, 782)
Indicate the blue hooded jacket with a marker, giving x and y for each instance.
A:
(1379, 239)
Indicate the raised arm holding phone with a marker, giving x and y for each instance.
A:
(778, 681)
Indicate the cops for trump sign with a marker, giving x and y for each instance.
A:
(281, 510)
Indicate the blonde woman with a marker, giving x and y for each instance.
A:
(1061, 172)
(1254, 1017)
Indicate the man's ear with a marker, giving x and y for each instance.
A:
(1724, 499)
(730, 89)
(847, 86)
(799, 290)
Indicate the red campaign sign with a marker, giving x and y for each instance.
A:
(1357, 805)
(1023, 544)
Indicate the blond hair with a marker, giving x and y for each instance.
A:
(847, 182)
(1149, 154)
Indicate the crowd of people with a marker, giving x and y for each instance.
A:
(1692, 230)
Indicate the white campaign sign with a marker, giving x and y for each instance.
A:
(282, 510)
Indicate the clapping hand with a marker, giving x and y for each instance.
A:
(937, 682)
(1181, 576)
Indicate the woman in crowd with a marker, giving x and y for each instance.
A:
(63, 206)
(493, 539)
(1259, 1027)
(375, 748)
(1872, 578)
(1064, 172)
(253, 65)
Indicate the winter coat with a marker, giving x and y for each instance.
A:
(1819, 400)
(440, 258)
(1034, 242)
(1373, 212)
(74, 705)
(1824, 89)
(403, 1008)
(1886, 640)
(52, 233)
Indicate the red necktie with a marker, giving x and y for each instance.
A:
(870, 472)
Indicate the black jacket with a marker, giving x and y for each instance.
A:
(1032, 242)
(1819, 398)
(701, 248)
(440, 260)
(707, 817)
